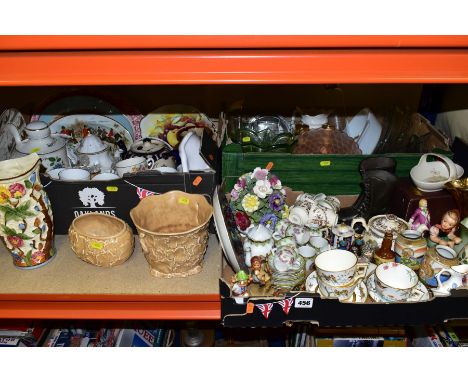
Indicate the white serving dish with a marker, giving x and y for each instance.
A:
(432, 176)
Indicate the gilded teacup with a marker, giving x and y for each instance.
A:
(396, 282)
(339, 267)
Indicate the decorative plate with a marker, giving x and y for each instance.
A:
(85, 104)
(171, 122)
(414, 297)
(7, 142)
(228, 234)
(359, 295)
(105, 128)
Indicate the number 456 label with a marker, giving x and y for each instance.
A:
(303, 302)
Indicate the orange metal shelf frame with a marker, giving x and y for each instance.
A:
(146, 60)
(226, 42)
(234, 67)
(148, 307)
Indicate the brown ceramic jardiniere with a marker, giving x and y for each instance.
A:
(102, 240)
(173, 231)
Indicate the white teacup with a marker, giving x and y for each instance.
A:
(308, 253)
(340, 292)
(396, 282)
(319, 243)
(74, 174)
(54, 174)
(339, 267)
(131, 165)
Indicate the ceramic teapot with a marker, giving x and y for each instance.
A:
(95, 154)
(258, 242)
(51, 148)
(457, 274)
(155, 151)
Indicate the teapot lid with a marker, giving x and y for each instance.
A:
(343, 230)
(36, 125)
(91, 144)
(259, 233)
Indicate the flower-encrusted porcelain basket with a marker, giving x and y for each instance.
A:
(258, 197)
(26, 222)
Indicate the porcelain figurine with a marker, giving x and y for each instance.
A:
(258, 271)
(358, 240)
(258, 242)
(444, 233)
(368, 249)
(52, 148)
(26, 220)
(421, 218)
(456, 280)
(240, 282)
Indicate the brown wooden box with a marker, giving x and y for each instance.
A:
(407, 196)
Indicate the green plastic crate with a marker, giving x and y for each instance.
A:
(330, 174)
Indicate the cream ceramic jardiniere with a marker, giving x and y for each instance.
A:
(26, 222)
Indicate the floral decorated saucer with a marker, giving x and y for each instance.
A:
(359, 295)
(414, 297)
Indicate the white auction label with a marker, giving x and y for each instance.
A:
(303, 302)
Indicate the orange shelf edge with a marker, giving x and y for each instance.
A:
(206, 307)
(234, 67)
(77, 42)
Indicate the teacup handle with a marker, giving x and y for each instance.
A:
(151, 163)
(361, 270)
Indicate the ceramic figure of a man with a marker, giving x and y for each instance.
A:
(421, 218)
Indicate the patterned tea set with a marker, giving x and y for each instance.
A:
(86, 147)
(303, 246)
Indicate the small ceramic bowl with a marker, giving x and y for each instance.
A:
(101, 240)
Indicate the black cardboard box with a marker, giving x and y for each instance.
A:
(72, 199)
(263, 310)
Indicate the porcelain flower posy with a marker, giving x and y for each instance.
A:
(258, 194)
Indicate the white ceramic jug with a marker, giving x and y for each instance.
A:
(457, 273)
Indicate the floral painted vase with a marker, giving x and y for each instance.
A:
(26, 222)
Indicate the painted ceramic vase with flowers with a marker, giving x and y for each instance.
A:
(26, 222)
(258, 197)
